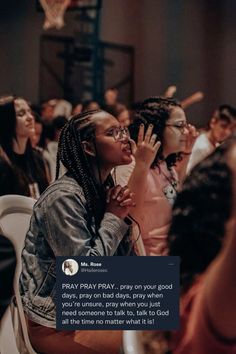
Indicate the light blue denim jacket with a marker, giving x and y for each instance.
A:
(59, 227)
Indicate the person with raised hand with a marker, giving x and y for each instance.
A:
(163, 138)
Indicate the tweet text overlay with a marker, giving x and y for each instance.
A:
(128, 293)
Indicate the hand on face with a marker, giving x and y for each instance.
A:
(119, 201)
(190, 138)
(147, 146)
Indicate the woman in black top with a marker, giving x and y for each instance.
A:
(22, 169)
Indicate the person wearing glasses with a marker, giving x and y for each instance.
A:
(81, 214)
(153, 172)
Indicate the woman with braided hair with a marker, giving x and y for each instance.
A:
(152, 171)
(76, 216)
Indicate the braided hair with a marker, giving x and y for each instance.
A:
(155, 111)
(79, 128)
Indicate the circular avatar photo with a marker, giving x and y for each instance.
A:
(70, 267)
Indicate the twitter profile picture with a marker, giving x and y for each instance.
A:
(70, 267)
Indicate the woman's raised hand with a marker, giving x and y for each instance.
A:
(147, 146)
(119, 201)
(194, 98)
(170, 91)
(191, 137)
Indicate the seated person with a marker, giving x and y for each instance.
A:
(219, 128)
(162, 136)
(76, 217)
(22, 169)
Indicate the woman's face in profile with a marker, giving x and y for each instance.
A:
(24, 119)
(110, 151)
(175, 132)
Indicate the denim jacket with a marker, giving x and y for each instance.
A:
(59, 227)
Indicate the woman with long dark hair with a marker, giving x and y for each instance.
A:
(22, 170)
(80, 214)
(153, 171)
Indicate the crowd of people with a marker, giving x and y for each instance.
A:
(99, 169)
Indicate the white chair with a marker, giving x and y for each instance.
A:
(15, 213)
(132, 342)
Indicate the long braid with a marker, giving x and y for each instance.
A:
(73, 157)
(58, 165)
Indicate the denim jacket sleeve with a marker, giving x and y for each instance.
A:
(67, 232)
